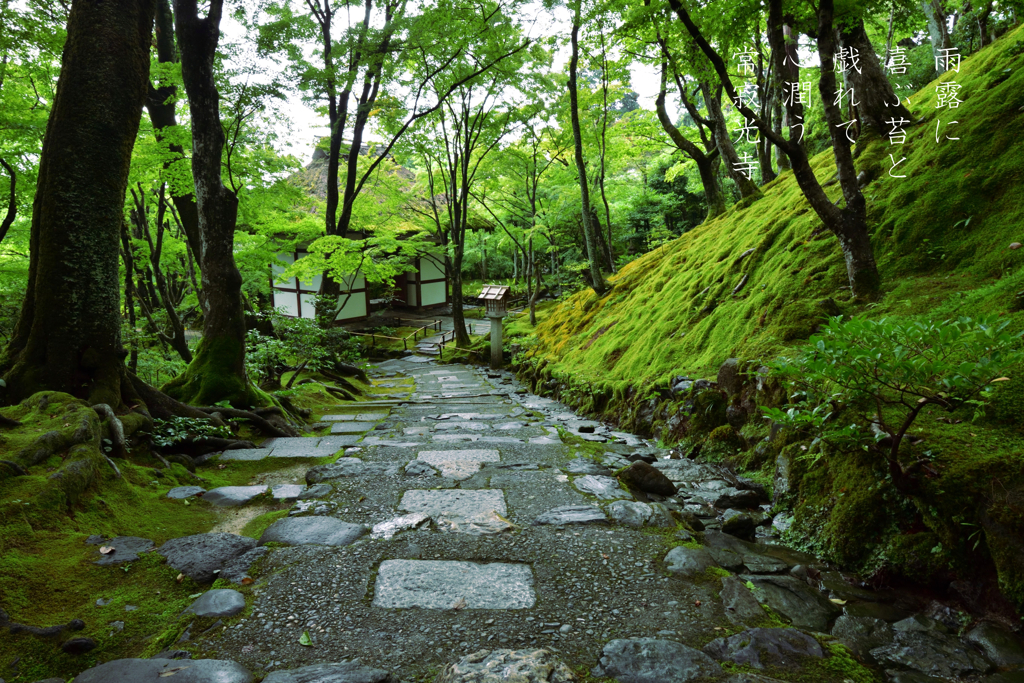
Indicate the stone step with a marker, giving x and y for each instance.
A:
(446, 585)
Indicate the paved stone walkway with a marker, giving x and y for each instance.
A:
(457, 524)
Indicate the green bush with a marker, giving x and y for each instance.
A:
(863, 383)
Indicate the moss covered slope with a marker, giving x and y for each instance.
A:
(940, 235)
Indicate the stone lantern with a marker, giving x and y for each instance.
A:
(495, 298)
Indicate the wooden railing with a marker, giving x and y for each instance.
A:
(434, 326)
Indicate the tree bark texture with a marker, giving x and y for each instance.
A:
(68, 337)
(589, 231)
(877, 102)
(12, 201)
(217, 371)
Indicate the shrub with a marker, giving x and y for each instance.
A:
(884, 374)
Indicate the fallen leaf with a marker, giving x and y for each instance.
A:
(460, 603)
(837, 601)
(181, 577)
(247, 581)
(194, 596)
(304, 639)
(107, 549)
(220, 467)
(696, 603)
(1001, 379)
(604, 556)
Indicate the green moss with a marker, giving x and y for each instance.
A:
(211, 377)
(723, 443)
(256, 526)
(708, 412)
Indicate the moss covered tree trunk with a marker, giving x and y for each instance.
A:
(68, 337)
(217, 372)
(877, 102)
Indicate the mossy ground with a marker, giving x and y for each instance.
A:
(47, 575)
(942, 239)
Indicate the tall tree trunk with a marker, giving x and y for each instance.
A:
(160, 103)
(877, 102)
(713, 101)
(129, 299)
(936, 25)
(590, 234)
(12, 201)
(68, 337)
(217, 372)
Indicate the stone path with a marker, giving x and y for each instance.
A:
(456, 531)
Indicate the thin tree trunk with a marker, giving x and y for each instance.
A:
(129, 299)
(888, 37)
(160, 103)
(68, 336)
(936, 25)
(877, 102)
(713, 101)
(590, 234)
(217, 372)
(604, 151)
(12, 201)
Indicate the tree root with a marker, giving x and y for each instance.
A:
(344, 382)
(114, 465)
(120, 448)
(209, 444)
(348, 371)
(19, 470)
(335, 391)
(49, 632)
(8, 422)
(258, 420)
(161, 406)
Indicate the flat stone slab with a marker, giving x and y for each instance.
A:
(389, 528)
(572, 514)
(300, 442)
(246, 454)
(647, 660)
(351, 427)
(336, 442)
(341, 672)
(233, 496)
(126, 549)
(459, 464)
(180, 492)
(201, 557)
(178, 671)
(437, 584)
(287, 491)
(454, 502)
(312, 531)
(603, 488)
(219, 602)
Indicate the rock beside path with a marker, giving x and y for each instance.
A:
(689, 562)
(646, 478)
(312, 530)
(220, 602)
(630, 513)
(202, 556)
(160, 670)
(126, 549)
(1003, 648)
(340, 672)
(761, 647)
(647, 660)
(931, 653)
(180, 492)
(237, 569)
(572, 514)
(803, 606)
(602, 488)
(505, 666)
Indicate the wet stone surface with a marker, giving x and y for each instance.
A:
(433, 584)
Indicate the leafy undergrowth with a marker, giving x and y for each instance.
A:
(941, 237)
(47, 575)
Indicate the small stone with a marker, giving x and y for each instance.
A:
(647, 660)
(643, 477)
(629, 513)
(688, 562)
(126, 549)
(199, 557)
(180, 492)
(1014, 245)
(757, 647)
(506, 666)
(78, 646)
(220, 602)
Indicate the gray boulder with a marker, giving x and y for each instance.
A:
(157, 670)
(220, 602)
(1002, 647)
(643, 477)
(931, 653)
(739, 524)
(179, 492)
(312, 530)
(504, 666)
(661, 516)
(572, 514)
(629, 512)
(688, 562)
(202, 556)
(341, 672)
(237, 570)
(647, 660)
(803, 606)
(126, 549)
(585, 466)
(741, 607)
(602, 488)
(784, 648)
(233, 496)
(736, 498)
(862, 634)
